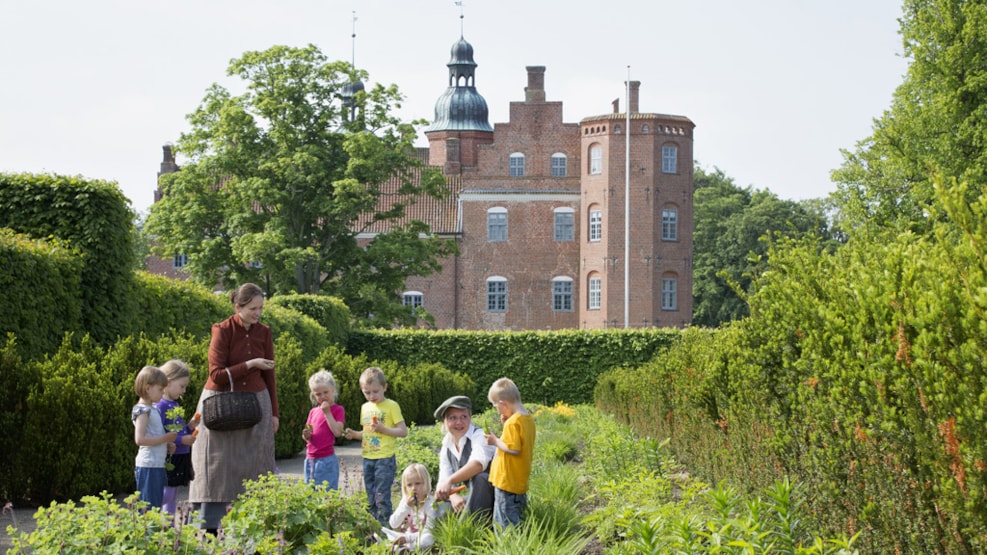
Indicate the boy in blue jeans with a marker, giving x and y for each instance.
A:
(511, 467)
(382, 425)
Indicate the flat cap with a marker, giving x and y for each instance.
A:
(456, 402)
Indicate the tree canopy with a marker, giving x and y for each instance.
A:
(936, 125)
(282, 179)
(730, 223)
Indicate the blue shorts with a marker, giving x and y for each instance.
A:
(151, 482)
(322, 470)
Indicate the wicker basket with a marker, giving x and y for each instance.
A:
(231, 410)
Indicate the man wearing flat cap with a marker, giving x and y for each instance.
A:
(464, 458)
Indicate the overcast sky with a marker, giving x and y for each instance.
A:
(775, 87)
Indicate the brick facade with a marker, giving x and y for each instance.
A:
(533, 272)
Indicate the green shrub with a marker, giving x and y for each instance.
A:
(547, 366)
(330, 312)
(95, 218)
(421, 388)
(166, 305)
(39, 277)
(277, 515)
(103, 525)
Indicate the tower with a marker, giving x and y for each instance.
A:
(461, 115)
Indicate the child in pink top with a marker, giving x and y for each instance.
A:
(324, 424)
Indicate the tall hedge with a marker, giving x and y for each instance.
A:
(41, 285)
(548, 366)
(95, 218)
(859, 374)
(330, 312)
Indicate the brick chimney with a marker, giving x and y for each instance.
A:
(535, 91)
(635, 88)
(616, 105)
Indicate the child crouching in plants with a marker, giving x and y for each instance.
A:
(150, 436)
(412, 521)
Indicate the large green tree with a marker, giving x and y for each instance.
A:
(281, 179)
(936, 125)
(729, 225)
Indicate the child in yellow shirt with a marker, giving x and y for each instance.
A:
(511, 467)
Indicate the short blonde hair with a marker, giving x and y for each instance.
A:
(504, 390)
(419, 470)
(148, 376)
(322, 377)
(373, 375)
(176, 369)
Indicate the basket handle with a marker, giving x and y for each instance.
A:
(230, 374)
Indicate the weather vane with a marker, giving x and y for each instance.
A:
(353, 48)
(460, 4)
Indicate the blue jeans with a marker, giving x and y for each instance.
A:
(378, 477)
(322, 470)
(508, 507)
(151, 483)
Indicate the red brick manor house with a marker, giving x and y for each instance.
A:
(538, 211)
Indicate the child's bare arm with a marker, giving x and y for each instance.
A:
(494, 440)
(141, 437)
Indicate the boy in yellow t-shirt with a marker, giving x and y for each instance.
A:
(382, 425)
(511, 466)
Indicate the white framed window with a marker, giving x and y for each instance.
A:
(669, 293)
(669, 159)
(595, 225)
(180, 261)
(414, 299)
(517, 164)
(496, 294)
(497, 224)
(562, 294)
(669, 224)
(595, 160)
(565, 225)
(558, 164)
(595, 293)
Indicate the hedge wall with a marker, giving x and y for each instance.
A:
(95, 218)
(41, 284)
(859, 374)
(547, 366)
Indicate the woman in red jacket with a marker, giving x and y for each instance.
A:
(224, 459)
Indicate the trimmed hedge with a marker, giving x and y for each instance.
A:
(859, 374)
(330, 312)
(547, 366)
(41, 289)
(95, 218)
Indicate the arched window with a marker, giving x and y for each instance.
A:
(562, 294)
(414, 299)
(565, 224)
(669, 224)
(496, 294)
(517, 164)
(558, 164)
(595, 292)
(497, 224)
(669, 159)
(595, 160)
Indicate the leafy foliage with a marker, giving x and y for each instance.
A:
(281, 181)
(39, 277)
(729, 224)
(94, 218)
(331, 313)
(936, 125)
(547, 366)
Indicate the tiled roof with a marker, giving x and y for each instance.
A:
(439, 214)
